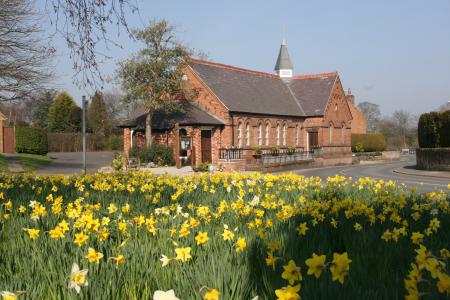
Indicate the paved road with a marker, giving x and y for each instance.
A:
(69, 163)
(384, 171)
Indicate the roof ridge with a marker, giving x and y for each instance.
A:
(224, 66)
(330, 74)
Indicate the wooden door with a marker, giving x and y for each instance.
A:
(206, 146)
(313, 140)
(9, 145)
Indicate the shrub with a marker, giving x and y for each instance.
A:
(116, 142)
(31, 140)
(444, 129)
(73, 142)
(428, 130)
(159, 154)
(368, 142)
(118, 162)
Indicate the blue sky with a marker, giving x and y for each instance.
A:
(393, 53)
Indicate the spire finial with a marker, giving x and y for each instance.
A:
(283, 41)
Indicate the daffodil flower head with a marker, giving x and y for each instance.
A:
(78, 278)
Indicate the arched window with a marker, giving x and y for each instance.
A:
(278, 135)
(247, 135)
(296, 135)
(239, 134)
(343, 134)
(260, 134)
(331, 133)
(267, 134)
(284, 135)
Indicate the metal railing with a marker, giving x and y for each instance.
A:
(231, 153)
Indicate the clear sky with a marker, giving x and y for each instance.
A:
(393, 53)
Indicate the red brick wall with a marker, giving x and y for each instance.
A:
(338, 116)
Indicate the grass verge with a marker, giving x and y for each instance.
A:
(33, 162)
(3, 164)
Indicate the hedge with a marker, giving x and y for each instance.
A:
(73, 142)
(368, 142)
(160, 155)
(31, 140)
(434, 130)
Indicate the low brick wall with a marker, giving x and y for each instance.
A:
(232, 165)
(435, 159)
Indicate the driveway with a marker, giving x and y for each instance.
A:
(386, 171)
(70, 163)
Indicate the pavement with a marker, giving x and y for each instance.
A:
(71, 163)
(401, 172)
(13, 162)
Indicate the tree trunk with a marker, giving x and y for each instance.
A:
(148, 129)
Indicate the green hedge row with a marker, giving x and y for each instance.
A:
(434, 130)
(31, 140)
(160, 155)
(368, 142)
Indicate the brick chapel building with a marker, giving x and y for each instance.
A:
(240, 115)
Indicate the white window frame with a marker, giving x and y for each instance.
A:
(284, 135)
(296, 135)
(239, 135)
(267, 134)
(278, 134)
(247, 134)
(260, 135)
(330, 133)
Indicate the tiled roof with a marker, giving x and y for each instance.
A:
(247, 91)
(313, 91)
(191, 115)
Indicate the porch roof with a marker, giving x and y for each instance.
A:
(191, 114)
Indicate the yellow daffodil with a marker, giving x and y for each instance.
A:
(94, 256)
(288, 293)
(316, 264)
(291, 272)
(183, 254)
(212, 294)
(340, 266)
(202, 238)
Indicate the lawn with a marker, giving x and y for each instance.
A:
(3, 164)
(223, 236)
(32, 162)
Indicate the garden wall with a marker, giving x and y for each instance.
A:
(435, 159)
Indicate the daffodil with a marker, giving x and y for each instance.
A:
(202, 238)
(183, 254)
(340, 266)
(78, 278)
(6, 295)
(168, 295)
(291, 272)
(288, 293)
(32, 233)
(165, 260)
(80, 239)
(316, 264)
(240, 244)
(94, 256)
(212, 294)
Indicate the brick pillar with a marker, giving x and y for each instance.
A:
(126, 143)
(1, 135)
(176, 146)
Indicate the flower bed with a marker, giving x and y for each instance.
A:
(226, 236)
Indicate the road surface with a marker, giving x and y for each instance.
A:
(71, 163)
(385, 171)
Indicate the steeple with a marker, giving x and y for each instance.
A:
(283, 67)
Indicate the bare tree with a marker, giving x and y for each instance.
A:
(84, 24)
(24, 59)
(117, 108)
(372, 113)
